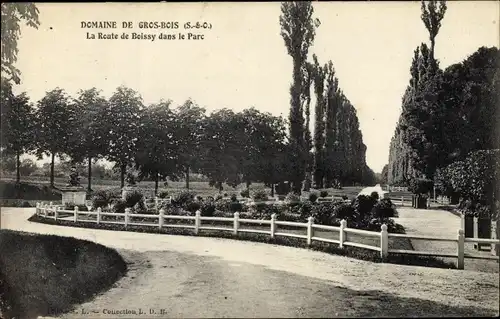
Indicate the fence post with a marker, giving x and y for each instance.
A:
(476, 228)
(309, 230)
(460, 249)
(236, 223)
(402, 200)
(197, 222)
(37, 209)
(156, 203)
(98, 215)
(161, 219)
(51, 204)
(273, 225)
(44, 210)
(384, 242)
(56, 213)
(127, 212)
(343, 224)
(76, 214)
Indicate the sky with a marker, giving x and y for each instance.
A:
(242, 60)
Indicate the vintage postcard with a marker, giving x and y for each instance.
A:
(250, 159)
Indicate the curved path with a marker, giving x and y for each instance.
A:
(175, 276)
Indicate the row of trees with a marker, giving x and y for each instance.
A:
(449, 121)
(335, 154)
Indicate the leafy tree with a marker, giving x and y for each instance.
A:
(190, 130)
(11, 16)
(432, 16)
(298, 31)
(91, 129)
(319, 74)
(158, 151)
(18, 131)
(123, 113)
(262, 140)
(53, 118)
(383, 174)
(222, 149)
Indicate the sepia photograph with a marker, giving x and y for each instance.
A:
(295, 159)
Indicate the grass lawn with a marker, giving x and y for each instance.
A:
(47, 274)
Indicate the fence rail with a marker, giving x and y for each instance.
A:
(54, 212)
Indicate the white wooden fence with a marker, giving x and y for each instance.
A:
(55, 212)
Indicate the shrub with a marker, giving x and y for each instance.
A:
(313, 197)
(245, 193)
(363, 205)
(234, 198)
(383, 209)
(374, 196)
(260, 195)
(101, 199)
(322, 213)
(218, 197)
(344, 197)
(292, 198)
(119, 206)
(134, 197)
(282, 188)
(264, 211)
(344, 211)
(207, 209)
(323, 194)
(81, 208)
(421, 186)
(163, 194)
(191, 206)
(199, 198)
(183, 198)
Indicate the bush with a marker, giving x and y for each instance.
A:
(260, 195)
(363, 206)
(282, 188)
(207, 209)
(313, 197)
(234, 198)
(245, 193)
(344, 211)
(133, 198)
(119, 206)
(183, 198)
(101, 199)
(323, 194)
(383, 209)
(163, 194)
(264, 211)
(81, 208)
(191, 206)
(292, 198)
(374, 196)
(323, 213)
(344, 197)
(421, 186)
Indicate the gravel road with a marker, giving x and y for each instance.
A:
(176, 276)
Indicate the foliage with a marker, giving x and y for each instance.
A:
(313, 197)
(54, 119)
(101, 198)
(477, 179)
(190, 119)
(245, 193)
(383, 209)
(323, 193)
(124, 110)
(363, 205)
(11, 15)
(421, 186)
(292, 198)
(81, 208)
(157, 153)
(133, 198)
(183, 198)
(118, 206)
(260, 195)
(298, 31)
(163, 194)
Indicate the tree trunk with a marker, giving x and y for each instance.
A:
(156, 184)
(187, 177)
(123, 169)
(52, 170)
(272, 189)
(248, 185)
(89, 176)
(18, 164)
